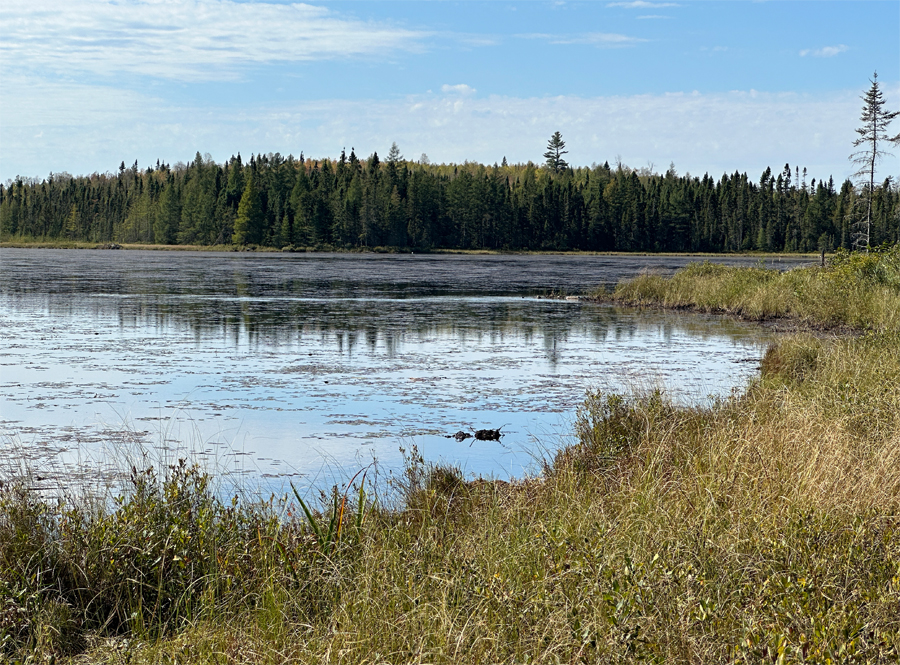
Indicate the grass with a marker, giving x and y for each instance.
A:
(855, 290)
(764, 528)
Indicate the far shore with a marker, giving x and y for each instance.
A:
(111, 246)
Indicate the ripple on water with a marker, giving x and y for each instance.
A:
(271, 367)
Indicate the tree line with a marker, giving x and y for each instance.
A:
(349, 203)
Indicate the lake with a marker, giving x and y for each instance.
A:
(307, 367)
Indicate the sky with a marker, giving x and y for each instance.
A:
(711, 87)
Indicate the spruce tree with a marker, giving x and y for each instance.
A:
(168, 215)
(394, 156)
(872, 137)
(249, 220)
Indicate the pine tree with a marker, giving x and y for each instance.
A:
(249, 220)
(555, 151)
(165, 228)
(394, 155)
(284, 235)
(70, 229)
(872, 137)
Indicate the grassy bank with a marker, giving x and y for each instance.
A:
(855, 290)
(765, 528)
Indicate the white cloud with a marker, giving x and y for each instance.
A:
(186, 40)
(459, 89)
(642, 4)
(28, 102)
(475, 40)
(825, 52)
(600, 39)
(92, 128)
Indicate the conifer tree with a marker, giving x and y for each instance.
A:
(165, 227)
(394, 155)
(872, 137)
(249, 220)
(70, 230)
(555, 151)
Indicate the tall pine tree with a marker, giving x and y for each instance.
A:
(555, 151)
(872, 138)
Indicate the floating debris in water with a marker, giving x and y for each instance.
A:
(487, 434)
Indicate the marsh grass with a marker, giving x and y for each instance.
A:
(855, 290)
(762, 528)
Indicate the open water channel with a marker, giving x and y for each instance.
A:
(309, 366)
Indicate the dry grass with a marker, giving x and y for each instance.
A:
(765, 528)
(856, 290)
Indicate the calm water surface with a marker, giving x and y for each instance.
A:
(308, 366)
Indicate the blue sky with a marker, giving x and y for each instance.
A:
(711, 86)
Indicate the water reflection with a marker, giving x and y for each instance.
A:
(278, 366)
(383, 325)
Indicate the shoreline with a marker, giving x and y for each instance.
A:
(78, 245)
(777, 324)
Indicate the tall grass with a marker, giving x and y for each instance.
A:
(857, 290)
(763, 528)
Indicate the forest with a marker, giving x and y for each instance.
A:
(351, 203)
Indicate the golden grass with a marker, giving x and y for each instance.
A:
(857, 290)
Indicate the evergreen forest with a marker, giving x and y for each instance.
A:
(351, 203)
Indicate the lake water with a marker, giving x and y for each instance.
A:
(309, 366)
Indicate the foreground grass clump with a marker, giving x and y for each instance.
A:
(765, 528)
(856, 290)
